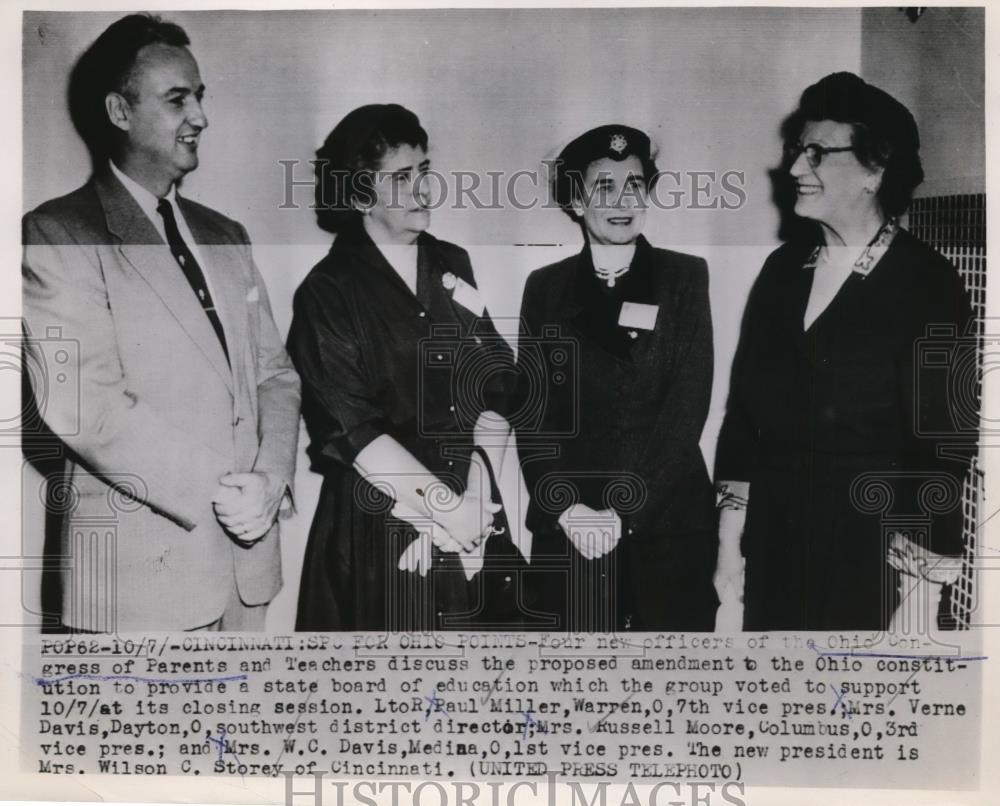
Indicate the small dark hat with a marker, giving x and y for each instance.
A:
(885, 133)
(849, 98)
(614, 141)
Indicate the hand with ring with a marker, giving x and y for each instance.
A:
(246, 504)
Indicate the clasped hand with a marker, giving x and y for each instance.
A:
(594, 532)
(459, 528)
(246, 504)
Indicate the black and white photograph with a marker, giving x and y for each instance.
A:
(536, 395)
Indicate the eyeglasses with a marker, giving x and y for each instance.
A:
(814, 152)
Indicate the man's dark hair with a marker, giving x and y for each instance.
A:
(107, 66)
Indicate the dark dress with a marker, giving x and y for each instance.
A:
(375, 359)
(840, 430)
(610, 416)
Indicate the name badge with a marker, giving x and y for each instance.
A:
(638, 314)
(468, 297)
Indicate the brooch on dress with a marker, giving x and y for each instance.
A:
(449, 281)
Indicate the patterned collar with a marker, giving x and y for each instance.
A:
(870, 255)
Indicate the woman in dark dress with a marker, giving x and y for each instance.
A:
(615, 360)
(402, 373)
(835, 432)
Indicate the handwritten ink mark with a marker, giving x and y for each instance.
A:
(604, 718)
(493, 687)
(894, 696)
(839, 699)
(530, 722)
(860, 654)
(105, 678)
(434, 705)
(221, 741)
(222, 744)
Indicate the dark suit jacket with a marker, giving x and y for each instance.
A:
(610, 415)
(151, 412)
(840, 428)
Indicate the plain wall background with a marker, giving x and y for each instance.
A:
(501, 90)
(936, 67)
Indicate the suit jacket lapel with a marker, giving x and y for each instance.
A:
(795, 297)
(439, 302)
(425, 275)
(644, 283)
(353, 244)
(851, 301)
(848, 299)
(587, 309)
(223, 266)
(647, 283)
(141, 245)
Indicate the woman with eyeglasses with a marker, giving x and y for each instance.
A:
(402, 372)
(833, 460)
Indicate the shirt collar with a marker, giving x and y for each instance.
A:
(612, 256)
(146, 200)
(403, 260)
(870, 255)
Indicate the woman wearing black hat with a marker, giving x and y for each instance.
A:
(615, 362)
(402, 370)
(832, 432)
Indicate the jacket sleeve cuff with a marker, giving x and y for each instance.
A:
(346, 447)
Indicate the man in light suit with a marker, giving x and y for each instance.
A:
(182, 430)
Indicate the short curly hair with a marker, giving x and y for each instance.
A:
(884, 132)
(352, 152)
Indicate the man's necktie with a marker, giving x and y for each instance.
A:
(191, 269)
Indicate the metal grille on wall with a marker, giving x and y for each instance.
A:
(956, 227)
(962, 595)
